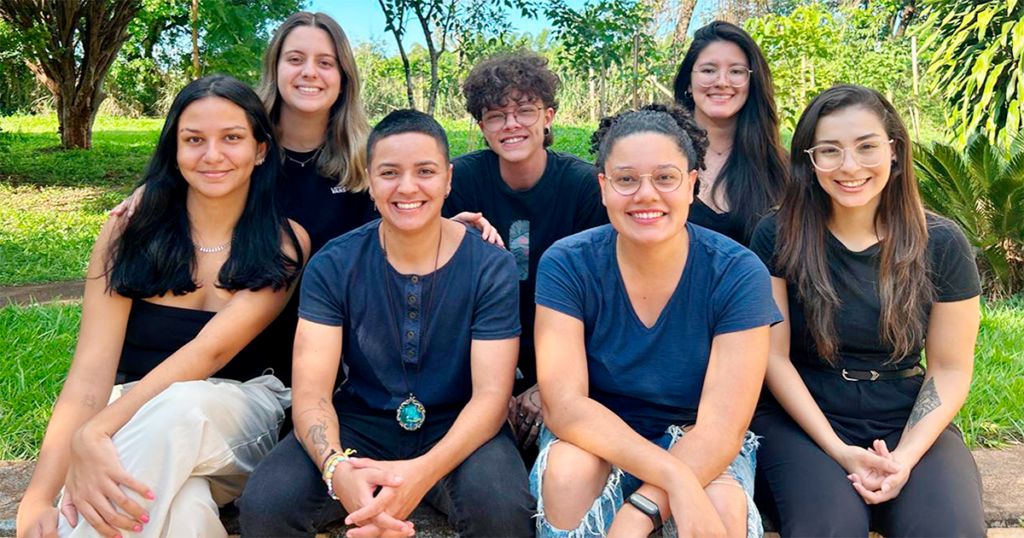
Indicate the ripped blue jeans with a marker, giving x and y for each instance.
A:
(621, 485)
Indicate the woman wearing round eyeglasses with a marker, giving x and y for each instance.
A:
(533, 195)
(857, 435)
(652, 339)
(724, 81)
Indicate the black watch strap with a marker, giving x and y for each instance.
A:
(648, 507)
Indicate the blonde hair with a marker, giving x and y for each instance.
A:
(344, 150)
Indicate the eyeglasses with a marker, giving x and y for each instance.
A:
(829, 157)
(627, 182)
(495, 120)
(736, 76)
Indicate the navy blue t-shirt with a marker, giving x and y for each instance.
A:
(653, 377)
(475, 298)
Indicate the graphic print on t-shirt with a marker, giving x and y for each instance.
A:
(519, 244)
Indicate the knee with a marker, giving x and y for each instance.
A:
(266, 508)
(828, 518)
(730, 501)
(180, 402)
(574, 472)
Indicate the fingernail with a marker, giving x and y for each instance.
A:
(144, 518)
(137, 528)
(150, 496)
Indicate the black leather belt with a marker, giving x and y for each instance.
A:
(869, 375)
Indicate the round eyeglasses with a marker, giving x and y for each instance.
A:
(737, 75)
(627, 182)
(495, 120)
(830, 157)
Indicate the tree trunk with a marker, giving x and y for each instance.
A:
(906, 17)
(396, 21)
(424, 19)
(76, 43)
(195, 39)
(408, 75)
(684, 14)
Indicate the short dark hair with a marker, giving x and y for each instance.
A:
(155, 254)
(403, 121)
(671, 120)
(491, 82)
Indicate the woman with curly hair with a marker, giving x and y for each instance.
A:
(857, 434)
(725, 82)
(652, 339)
(532, 194)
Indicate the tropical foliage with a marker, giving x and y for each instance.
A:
(982, 190)
(976, 65)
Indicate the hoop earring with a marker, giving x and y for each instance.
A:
(547, 131)
(259, 161)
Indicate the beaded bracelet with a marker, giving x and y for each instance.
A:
(331, 464)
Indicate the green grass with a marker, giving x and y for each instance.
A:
(55, 201)
(38, 343)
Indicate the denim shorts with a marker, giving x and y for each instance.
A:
(621, 485)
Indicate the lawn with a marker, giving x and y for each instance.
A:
(55, 201)
(39, 341)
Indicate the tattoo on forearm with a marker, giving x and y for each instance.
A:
(89, 401)
(927, 401)
(318, 437)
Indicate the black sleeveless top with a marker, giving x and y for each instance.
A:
(155, 332)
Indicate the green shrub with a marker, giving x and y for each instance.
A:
(982, 190)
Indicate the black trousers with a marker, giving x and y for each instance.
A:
(809, 495)
(486, 495)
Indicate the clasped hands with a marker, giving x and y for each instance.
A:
(380, 495)
(877, 474)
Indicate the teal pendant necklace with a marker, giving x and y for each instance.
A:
(411, 413)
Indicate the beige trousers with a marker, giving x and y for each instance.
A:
(195, 445)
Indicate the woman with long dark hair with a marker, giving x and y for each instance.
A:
(172, 335)
(857, 433)
(725, 82)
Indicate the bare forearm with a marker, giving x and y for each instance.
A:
(593, 427)
(78, 402)
(788, 387)
(942, 394)
(476, 424)
(316, 425)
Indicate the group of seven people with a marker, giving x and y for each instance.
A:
(696, 312)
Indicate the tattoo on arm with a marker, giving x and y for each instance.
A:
(89, 401)
(927, 401)
(317, 436)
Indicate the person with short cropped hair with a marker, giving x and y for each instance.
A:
(533, 195)
(418, 316)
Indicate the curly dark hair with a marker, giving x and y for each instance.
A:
(491, 82)
(672, 120)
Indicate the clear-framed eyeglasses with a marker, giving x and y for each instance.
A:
(736, 76)
(829, 157)
(495, 120)
(627, 182)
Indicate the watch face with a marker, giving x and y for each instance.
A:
(643, 503)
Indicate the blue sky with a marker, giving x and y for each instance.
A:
(363, 20)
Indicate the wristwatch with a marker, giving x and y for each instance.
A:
(648, 507)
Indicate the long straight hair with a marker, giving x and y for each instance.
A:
(905, 289)
(756, 171)
(155, 253)
(341, 156)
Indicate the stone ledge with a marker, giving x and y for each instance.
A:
(1002, 474)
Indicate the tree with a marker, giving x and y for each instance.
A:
(444, 22)
(977, 48)
(71, 45)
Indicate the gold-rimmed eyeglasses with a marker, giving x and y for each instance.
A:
(737, 75)
(495, 120)
(830, 157)
(627, 182)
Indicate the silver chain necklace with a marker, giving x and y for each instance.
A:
(305, 162)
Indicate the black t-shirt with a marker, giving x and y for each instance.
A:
(726, 223)
(855, 278)
(325, 211)
(566, 200)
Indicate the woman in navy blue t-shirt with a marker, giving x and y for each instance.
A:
(652, 340)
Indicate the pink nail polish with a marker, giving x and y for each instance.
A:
(150, 496)
(144, 518)
(137, 528)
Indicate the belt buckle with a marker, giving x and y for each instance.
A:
(874, 375)
(848, 378)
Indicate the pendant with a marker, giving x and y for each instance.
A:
(411, 414)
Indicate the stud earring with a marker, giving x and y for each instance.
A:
(259, 161)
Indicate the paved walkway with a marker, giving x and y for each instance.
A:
(41, 293)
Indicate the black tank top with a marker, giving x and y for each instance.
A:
(155, 332)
